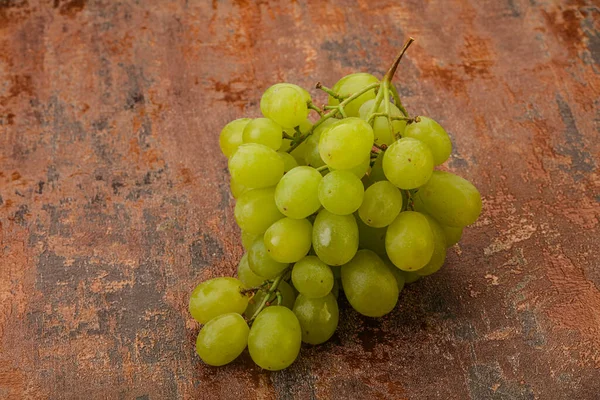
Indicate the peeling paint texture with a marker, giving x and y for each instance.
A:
(114, 199)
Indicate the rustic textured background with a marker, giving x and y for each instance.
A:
(114, 197)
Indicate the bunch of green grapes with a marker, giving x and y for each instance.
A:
(350, 203)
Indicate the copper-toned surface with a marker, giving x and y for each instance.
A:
(114, 196)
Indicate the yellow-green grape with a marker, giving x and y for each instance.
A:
(275, 338)
(371, 238)
(236, 189)
(256, 210)
(408, 163)
(318, 317)
(335, 237)
(381, 205)
(410, 277)
(216, 297)
(222, 339)
(296, 194)
(376, 173)
(450, 199)
(369, 285)
(335, 290)
(246, 275)
(299, 153)
(341, 192)
(433, 135)
(256, 166)
(453, 234)
(286, 104)
(439, 249)
(285, 145)
(351, 84)
(248, 238)
(288, 240)
(263, 131)
(260, 261)
(398, 274)
(312, 277)
(346, 143)
(288, 295)
(409, 241)
(381, 126)
(359, 170)
(312, 157)
(289, 162)
(231, 136)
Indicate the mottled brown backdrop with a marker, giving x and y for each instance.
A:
(114, 197)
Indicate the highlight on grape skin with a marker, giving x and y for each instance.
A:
(336, 196)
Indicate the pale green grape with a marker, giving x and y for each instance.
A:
(351, 84)
(346, 143)
(216, 297)
(359, 170)
(371, 238)
(260, 261)
(433, 135)
(452, 233)
(263, 131)
(285, 145)
(409, 241)
(246, 275)
(376, 173)
(289, 162)
(410, 277)
(296, 194)
(439, 249)
(369, 285)
(222, 339)
(286, 104)
(312, 277)
(408, 163)
(341, 192)
(381, 126)
(288, 240)
(381, 205)
(335, 237)
(299, 153)
(312, 156)
(275, 338)
(248, 238)
(318, 317)
(256, 210)
(236, 189)
(256, 166)
(398, 274)
(231, 136)
(450, 199)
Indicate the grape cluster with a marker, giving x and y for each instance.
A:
(350, 203)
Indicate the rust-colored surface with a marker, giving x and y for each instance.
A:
(114, 198)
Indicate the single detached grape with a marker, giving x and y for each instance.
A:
(286, 104)
(381, 205)
(263, 131)
(275, 338)
(231, 136)
(289, 162)
(296, 194)
(351, 84)
(433, 135)
(335, 237)
(369, 285)
(318, 317)
(260, 261)
(346, 143)
(439, 249)
(312, 277)
(246, 275)
(216, 297)
(288, 240)
(408, 163)
(222, 339)
(409, 241)
(381, 126)
(341, 192)
(256, 166)
(256, 210)
(371, 238)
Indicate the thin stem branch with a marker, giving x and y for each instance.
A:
(330, 92)
(286, 136)
(392, 71)
(322, 168)
(272, 289)
(311, 106)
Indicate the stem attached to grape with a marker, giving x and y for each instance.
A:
(330, 92)
(272, 289)
(311, 106)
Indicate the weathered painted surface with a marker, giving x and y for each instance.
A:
(114, 200)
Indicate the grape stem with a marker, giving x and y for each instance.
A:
(330, 92)
(311, 106)
(322, 167)
(272, 289)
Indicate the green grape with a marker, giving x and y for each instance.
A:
(439, 249)
(410, 277)
(381, 126)
(288, 240)
(248, 238)
(351, 84)
(409, 241)
(335, 290)
(371, 238)
(312, 277)
(285, 145)
(369, 285)
(296, 194)
(222, 339)
(236, 189)
(288, 294)
(452, 233)
(335, 237)
(216, 297)
(299, 153)
(346, 143)
(450, 199)
(381, 205)
(359, 170)
(312, 156)
(433, 135)
(256, 166)
(408, 163)
(260, 261)
(275, 338)
(286, 104)
(246, 275)
(289, 162)
(263, 131)
(231, 136)
(304, 127)
(341, 192)
(256, 210)
(376, 173)
(254, 303)
(398, 274)
(318, 317)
